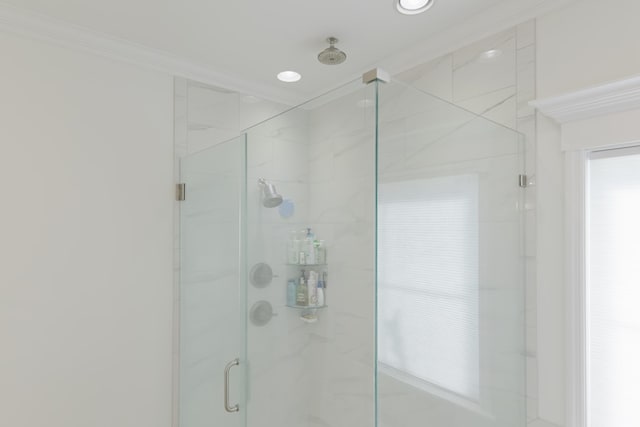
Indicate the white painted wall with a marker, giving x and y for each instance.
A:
(584, 44)
(587, 43)
(85, 282)
(550, 260)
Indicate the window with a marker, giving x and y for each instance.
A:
(428, 283)
(613, 288)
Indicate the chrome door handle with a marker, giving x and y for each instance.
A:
(234, 408)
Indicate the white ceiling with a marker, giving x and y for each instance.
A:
(253, 40)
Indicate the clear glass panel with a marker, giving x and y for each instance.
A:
(450, 282)
(448, 307)
(313, 366)
(212, 309)
(613, 294)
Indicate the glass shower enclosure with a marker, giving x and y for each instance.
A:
(355, 261)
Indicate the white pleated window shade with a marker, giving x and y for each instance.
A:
(613, 289)
(428, 283)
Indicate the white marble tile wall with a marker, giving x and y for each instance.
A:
(279, 381)
(215, 115)
(341, 172)
(498, 86)
(342, 210)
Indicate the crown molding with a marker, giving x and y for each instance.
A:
(500, 17)
(613, 97)
(43, 28)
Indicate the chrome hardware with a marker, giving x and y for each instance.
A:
(234, 408)
(523, 181)
(261, 313)
(376, 74)
(261, 275)
(181, 192)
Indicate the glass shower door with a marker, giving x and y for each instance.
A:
(212, 309)
(361, 256)
(310, 342)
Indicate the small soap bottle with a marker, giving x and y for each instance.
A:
(320, 292)
(324, 281)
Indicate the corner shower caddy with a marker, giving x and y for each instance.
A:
(320, 268)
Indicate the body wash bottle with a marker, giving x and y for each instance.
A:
(312, 285)
(302, 298)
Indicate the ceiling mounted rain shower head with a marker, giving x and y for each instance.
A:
(270, 196)
(332, 55)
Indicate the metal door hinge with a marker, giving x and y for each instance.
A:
(181, 192)
(376, 74)
(522, 181)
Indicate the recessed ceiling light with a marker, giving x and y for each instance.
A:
(289, 76)
(490, 55)
(413, 7)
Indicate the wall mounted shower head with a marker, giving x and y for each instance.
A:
(332, 55)
(270, 196)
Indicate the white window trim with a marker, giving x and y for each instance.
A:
(576, 279)
(593, 119)
(576, 298)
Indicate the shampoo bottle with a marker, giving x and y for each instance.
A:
(302, 298)
(320, 291)
(310, 248)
